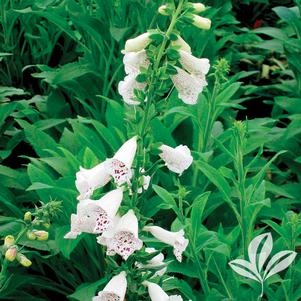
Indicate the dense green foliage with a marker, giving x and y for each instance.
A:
(60, 65)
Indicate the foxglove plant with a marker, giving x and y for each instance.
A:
(155, 63)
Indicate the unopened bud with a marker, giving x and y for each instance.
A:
(23, 260)
(41, 235)
(200, 22)
(27, 216)
(198, 7)
(30, 235)
(9, 240)
(46, 225)
(137, 44)
(163, 10)
(11, 254)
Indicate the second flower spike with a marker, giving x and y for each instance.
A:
(156, 293)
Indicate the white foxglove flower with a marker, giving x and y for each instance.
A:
(195, 66)
(188, 86)
(154, 263)
(119, 167)
(253, 268)
(95, 216)
(184, 46)
(174, 239)
(156, 293)
(123, 239)
(200, 22)
(87, 180)
(127, 86)
(115, 289)
(176, 159)
(133, 61)
(137, 44)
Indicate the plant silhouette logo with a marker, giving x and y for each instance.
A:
(254, 268)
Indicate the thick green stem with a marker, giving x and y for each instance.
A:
(150, 98)
(203, 143)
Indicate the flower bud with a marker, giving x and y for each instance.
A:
(162, 10)
(9, 241)
(11, 254)
(41, 235)
(137, 44)
(30, 235)
(46, 225)
(200, 22)
(27, 216)
(198, 7)
(23, 260)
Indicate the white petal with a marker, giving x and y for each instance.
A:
(197, 67)
(137, 44)
(116, 286)
(87, 180)
(188, 86)
(176, 159)
(156, 293)
(127, 152)
(133, 61)
(128, 223)
(202, 23)
(111, 201)
(182, 44)
(127, 86)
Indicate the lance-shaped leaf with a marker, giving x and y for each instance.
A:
(246, 269)
(283, 260)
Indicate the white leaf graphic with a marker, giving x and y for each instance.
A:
(247, 270)
(265, 252)
(281, 265)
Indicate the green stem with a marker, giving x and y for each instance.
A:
(222, 280)
(202, 147)
(150, 96)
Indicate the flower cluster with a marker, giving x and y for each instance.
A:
(116, 222)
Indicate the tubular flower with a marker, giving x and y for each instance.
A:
(200, 22)
(188, 86)
(23, 260)
(195, 66)
(119, 167)
(95, 216)
(176, 159)
(9, 240)
(155, 263)
(174, 239)
(137, 44)
(123, 239)
(127, 87)
(181, 44)
(114, 290)
(133, 61)
(40, 234)
(156, 293)
(87, 180)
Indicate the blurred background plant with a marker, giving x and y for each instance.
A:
(60, 65)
